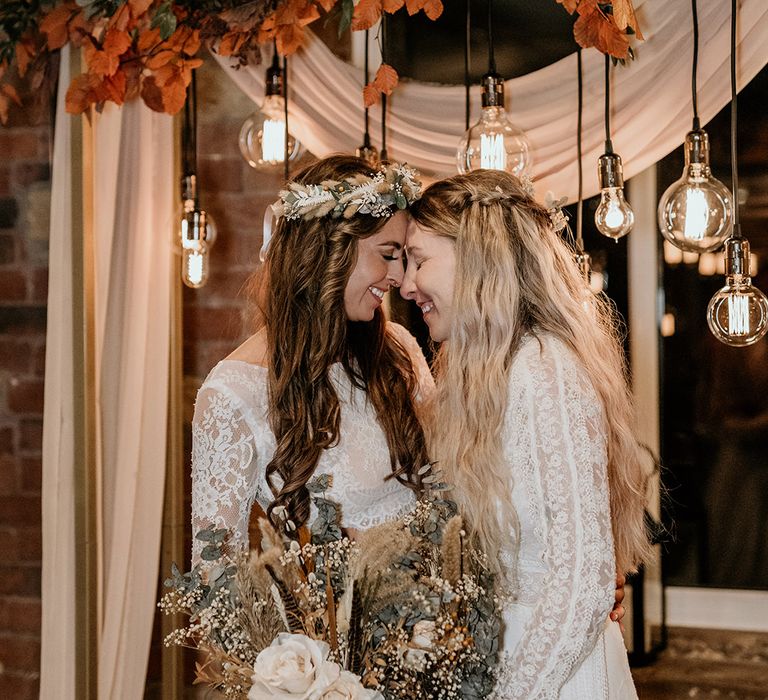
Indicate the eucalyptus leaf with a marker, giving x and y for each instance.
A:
(210, 553)
(164, 20)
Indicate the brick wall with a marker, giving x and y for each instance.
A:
(24, 216)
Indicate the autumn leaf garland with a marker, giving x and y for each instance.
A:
(148, 48)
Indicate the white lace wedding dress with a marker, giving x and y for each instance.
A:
(232, 444)
(558, 639)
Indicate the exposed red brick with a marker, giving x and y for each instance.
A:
(19, 686)
(19, 653)
(13, 286)
(223, 173)
(31, 474)
(31, 435)
(213, 324)
(21, 580)
(27, 173)
(15, 355)
(40, 284)
(7, 249)
(21, 615)
(9, 474)
(17, 511)
(5, 180)
(30, 544)
(19, 145)
(7, 440)
(9, 545)
(38, 362)
(25, 395)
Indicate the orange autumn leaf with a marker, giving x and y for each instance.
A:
(289, 38)
(385, 82)
(371, 95)
(81, 93)
(174, 94)
(106, 61)
(366, 14)
(55, 24)
(432, 8)
(569, 5)
(594, 29)
(10, 92)
(148, 40)
(152, 94)
(159, 59)
(121, 19)
(139, 7)
(112, 88)
(4, 105)
(327, 5)
(230, 43)
(624, 16)
(24, 55)
(392, 5)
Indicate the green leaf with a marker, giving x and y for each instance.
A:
(164, 20)
(345, 20)
(210, 553)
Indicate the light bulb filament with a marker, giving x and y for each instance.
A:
(273, 141)
(738, 314)
(195, 267)
(614, 217)
(493, 155)
(696, 214)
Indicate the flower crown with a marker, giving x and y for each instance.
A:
(392, 188)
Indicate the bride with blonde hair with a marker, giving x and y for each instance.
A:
(532, 424)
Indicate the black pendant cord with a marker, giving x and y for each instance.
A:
(491, 52)
(383, 156)
(189, 131)
(695, 65)
(367, 133)
(608, 142)
(580, 202)
(734, 159)
(287, 151)
(467, 48)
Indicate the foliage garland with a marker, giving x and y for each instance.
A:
(148, 48)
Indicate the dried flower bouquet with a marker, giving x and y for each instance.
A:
(406, 610)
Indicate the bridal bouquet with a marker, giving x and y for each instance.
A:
(406, 610)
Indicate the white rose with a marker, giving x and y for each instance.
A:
(423, 634)
(293, 667)
(348, 686)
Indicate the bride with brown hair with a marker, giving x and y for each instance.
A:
(325, 385)
(532, 424)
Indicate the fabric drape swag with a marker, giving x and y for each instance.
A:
(133, 217)
(651, 109)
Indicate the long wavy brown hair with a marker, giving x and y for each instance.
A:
(300, 299)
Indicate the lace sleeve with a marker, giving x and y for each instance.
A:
(224, 483)
(425, 382)
(569, 474)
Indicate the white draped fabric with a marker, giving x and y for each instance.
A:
(133, 217)
(651, 108)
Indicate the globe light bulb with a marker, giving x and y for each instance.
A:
(494, 142)
(198, 233)
(263, 134)
(695, 211)
(738, 313)
(614, 217)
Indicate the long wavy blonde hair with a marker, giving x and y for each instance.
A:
(514, 274)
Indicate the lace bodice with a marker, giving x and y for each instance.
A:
(555, 446)
(232, 444)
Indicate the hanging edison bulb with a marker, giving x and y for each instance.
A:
(738, 313)
(263, 134)
(494, 142)
(695, 212)
(614, 217)
(198, 234)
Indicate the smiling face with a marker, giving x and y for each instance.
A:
(379, 266)
(430, 277)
